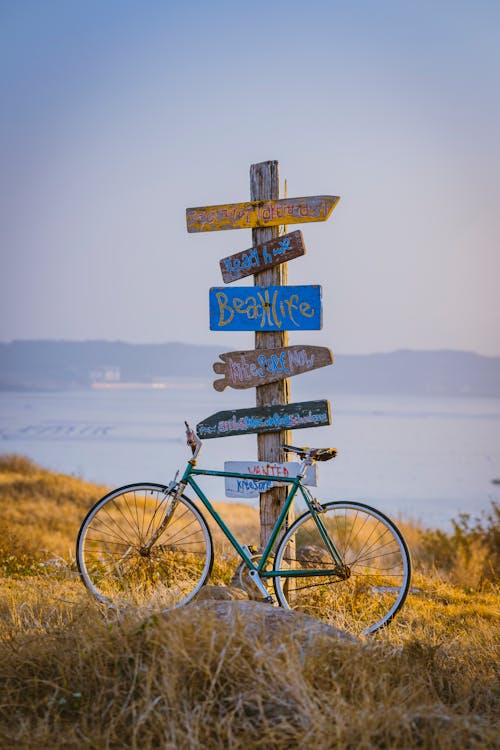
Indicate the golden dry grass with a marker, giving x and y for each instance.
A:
(74, 676)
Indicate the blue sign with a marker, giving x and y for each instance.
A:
(273, 308)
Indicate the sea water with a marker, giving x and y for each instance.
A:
(418, 458)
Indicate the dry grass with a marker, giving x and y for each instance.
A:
(73, 676)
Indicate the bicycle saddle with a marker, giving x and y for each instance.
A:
(317, 454)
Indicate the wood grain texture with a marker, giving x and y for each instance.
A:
(264, 185)
(248, 369)
(265, 419)
(260, 257)
(260, 213)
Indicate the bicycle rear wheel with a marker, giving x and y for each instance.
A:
(121, 569)
(374, 582)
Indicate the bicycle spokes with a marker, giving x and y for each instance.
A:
(366, 589)
(129, 554)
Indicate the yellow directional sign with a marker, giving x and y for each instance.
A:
(260, 213)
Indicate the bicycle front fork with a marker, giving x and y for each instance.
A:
(145, 549)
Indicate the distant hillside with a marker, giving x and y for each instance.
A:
(429, 373)
(67, 364)
(77, 364)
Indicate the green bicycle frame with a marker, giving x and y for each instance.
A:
(296, 482)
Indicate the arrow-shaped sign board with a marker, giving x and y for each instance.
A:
(263, 473)
(248, 369)
(273, 308)
(261, 257)
(254, 214)
(265, 419)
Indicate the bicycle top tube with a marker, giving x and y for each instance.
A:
(242, 475)
(308, 455)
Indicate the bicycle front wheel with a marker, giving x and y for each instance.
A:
(372, 581)
(119, 564)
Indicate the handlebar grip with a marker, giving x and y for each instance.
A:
(190, 437)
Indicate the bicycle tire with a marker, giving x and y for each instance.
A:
(378, 560)
(114, 563)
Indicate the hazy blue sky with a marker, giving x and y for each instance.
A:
(116, 116)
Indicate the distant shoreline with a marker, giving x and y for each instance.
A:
(61, 365)
(147, 386)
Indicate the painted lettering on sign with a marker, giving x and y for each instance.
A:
(247, 487)
(271, 308)
(254, 214)
(265, 419)
(263, 472)
(247, 369)
(260, 257)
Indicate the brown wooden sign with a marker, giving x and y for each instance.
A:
(254, 214)
(265, 419)
(261, 257)
(248, 369)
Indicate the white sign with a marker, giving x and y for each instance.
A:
(263, 473)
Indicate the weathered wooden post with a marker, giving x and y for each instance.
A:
(270, 308)
(264, 185)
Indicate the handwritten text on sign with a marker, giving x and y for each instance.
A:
(260, 213)
(263, 476)
(247, 369)
(272, 308)
(265, 419)
(260, 257)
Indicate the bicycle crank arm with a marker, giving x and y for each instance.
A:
(256, 579)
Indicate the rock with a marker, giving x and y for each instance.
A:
(265, 620)
(221, 593)
(312, 555)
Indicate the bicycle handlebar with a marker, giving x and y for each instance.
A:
(192, 440)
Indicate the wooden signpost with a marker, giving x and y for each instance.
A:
(264, 185)
(258, 258)
(249, 369)
(264, 473)
(260, 213)
(264, 419)
(274, 308)
(270, 308)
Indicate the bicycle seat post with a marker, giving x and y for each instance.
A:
(305, 457)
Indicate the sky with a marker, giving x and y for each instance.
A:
(116, 116)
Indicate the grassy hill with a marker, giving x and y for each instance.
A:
(74, 676)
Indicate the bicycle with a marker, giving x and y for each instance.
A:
(149, 544)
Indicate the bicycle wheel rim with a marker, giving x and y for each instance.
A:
(378, 562)
(113, 559)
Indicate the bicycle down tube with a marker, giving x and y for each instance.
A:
(296, 483)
